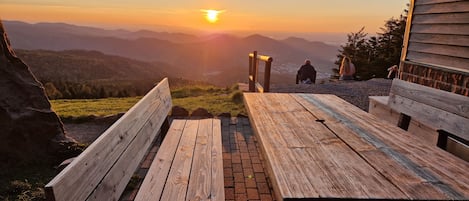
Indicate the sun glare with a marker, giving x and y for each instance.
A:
(212, 15)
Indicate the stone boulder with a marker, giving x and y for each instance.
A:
(30, 130)
(201, 113)
(179, 112)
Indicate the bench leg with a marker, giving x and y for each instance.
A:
(165, 127)
(404, 121)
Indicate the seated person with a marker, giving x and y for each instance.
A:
(306, 74)
(347, 69)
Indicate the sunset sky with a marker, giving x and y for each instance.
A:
(238, 15)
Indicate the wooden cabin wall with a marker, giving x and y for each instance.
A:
(436, 50)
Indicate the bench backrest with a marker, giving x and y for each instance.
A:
(439, 109)
(103, 170)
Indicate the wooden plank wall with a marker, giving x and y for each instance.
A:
(439, 34)
(436, 46)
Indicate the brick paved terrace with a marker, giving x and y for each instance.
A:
(244, 173)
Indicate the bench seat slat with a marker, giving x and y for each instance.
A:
(156, 177)
(217, 190)
(199, 184)
(178, 178)
(193, 170)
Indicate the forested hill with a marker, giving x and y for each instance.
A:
(80, 66)
(92, 74)
(220, 59)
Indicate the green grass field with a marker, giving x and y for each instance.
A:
(215, 100)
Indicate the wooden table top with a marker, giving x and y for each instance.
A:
(318, 146)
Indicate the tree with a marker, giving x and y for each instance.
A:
(52, 91)
(373, 55)
(357, 48)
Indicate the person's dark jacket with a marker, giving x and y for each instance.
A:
(306, 71)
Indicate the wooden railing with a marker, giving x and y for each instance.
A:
(254, 59)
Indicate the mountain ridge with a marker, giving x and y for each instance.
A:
(194, 56)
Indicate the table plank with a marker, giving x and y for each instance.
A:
(285, 183)
(421, 171)
(319, 158)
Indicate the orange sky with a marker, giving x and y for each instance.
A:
(240, 15)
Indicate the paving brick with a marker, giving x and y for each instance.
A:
(257, 167)
(240, 188)
(250, 183)
(266, 197)
(255, 160)
(227, 172)
(227, 163)
(245, 156)
(237, 167)
(241, 197)
(252, 193)
(260, 177)
(235, 159)
(263, 188)
(146, 163)
(229, 194)
(238, 177)
(226, 155)
(229, 182)
(246, 163)
(248, 172)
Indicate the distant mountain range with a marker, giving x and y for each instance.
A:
(220, 58)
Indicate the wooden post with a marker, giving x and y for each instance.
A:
(268, 65)
(442, 139)
(251, 77)
(255, 69)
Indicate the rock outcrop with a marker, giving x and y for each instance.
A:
(30, 129)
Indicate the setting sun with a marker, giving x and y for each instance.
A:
(212, 15)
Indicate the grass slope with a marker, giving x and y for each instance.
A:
(215, 100)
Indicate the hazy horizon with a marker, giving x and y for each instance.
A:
(312, 20)
(328, 38)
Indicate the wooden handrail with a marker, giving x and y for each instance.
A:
(254, 59)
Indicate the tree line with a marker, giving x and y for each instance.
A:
(373, 55)
(72, 90)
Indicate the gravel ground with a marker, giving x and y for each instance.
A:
(354, 92)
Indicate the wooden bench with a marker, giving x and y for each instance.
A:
(104, 169)
(318, 146)
(438, 117)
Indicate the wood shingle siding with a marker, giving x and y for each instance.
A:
(437, 44)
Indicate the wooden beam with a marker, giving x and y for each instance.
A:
(429, 115)
(442, 7)
(447, 101)
(262, 57)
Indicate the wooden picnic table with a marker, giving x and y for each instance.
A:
(318, 146)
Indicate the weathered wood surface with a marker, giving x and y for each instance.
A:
(437, 33)
(190, 165)
(379, 107)
(442, 110)
(321, 147)
(447, 101)
(106, 166)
